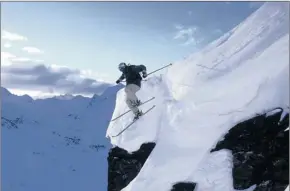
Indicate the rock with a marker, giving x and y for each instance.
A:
(124, 167)
(260, 148)
(97, 147)
(72, 140)
(183, 186)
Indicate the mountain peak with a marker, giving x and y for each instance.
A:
(5, 92)
(64, 97)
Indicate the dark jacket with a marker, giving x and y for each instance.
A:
(132, 74)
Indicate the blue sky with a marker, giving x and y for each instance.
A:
(97, 36)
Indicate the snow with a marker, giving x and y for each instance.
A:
(36, 155)
(245, 72)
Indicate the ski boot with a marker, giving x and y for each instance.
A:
(138, 114)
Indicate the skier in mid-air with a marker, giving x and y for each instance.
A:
(133, 84)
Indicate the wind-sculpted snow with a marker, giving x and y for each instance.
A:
(199, 99)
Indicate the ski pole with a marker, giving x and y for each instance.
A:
(159, 69)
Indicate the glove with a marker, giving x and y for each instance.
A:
(118, 81)
(144, 75)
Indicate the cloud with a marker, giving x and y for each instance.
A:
(7, 45)
(179, 27)
(35, 94)
(184, 32)
(38, 61)
(5, 58)
(32, 50)
(95, 75)
(8, 58)
(190, 40)
(217, 31)
(21, 59)
(12, 36)
(7, 55)
(189, 34)
(49, 79)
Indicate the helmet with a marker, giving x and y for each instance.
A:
(122, 66)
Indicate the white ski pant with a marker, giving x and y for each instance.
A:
(131, 98)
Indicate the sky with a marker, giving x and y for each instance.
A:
(75, 47)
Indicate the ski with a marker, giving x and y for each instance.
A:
(130, 110)
(134, 121)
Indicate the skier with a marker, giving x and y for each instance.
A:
(133, 85)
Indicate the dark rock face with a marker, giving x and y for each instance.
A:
(97, 147)
(72, 140)
(183, 186)
(260, 148)
(124, 167)
(12, 124)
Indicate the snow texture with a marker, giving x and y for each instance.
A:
(57, 143)
(199, 99)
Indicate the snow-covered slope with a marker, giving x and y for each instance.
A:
(199, 99)
(55, 144)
